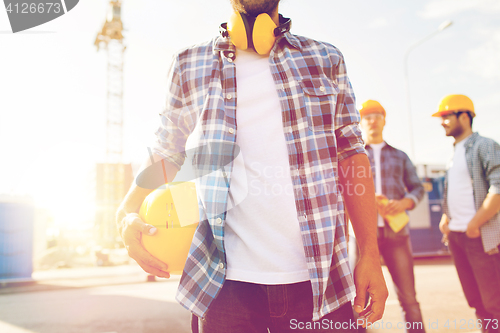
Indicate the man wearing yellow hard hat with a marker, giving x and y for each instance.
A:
(398, 189)
(275, 260)
(471, 223)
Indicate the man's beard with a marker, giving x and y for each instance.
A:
(456, 131)
(254, 8)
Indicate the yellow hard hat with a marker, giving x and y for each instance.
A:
(174, 212)
(455, 103)
(371, 106)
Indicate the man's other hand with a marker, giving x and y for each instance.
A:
(380, 198)
(368, 277)
(443, 225)
(473, 230)
(394, 207)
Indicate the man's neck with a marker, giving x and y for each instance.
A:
(464, 135)
(370, 140)
(275, 16)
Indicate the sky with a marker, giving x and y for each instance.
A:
(53, 80)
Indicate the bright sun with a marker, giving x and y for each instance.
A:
(63, 182)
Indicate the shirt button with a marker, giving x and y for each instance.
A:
(230, 55)
(221, 265)
(231, 130)
(322, 89)
(230, 59)
(229, 96)
(218, 220)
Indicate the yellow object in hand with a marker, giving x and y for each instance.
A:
(174, 212)
(396, 221)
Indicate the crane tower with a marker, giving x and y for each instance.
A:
(111, 38)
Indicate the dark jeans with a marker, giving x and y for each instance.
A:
(479, 274)
(399, 261)
(398, 258)
(243, 307)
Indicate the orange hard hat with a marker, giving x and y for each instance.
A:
(371, 106)
(174, 212)
(455, 103)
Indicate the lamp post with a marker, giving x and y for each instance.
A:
(441, 27)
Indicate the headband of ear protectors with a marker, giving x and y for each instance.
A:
(258, 33)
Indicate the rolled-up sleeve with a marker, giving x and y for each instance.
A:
(176, 123)
(347, 131)
(492, 166)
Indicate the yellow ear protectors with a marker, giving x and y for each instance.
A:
(258, 33)
(238, 29)
(263, 34)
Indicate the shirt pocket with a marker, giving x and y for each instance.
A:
(320, 98)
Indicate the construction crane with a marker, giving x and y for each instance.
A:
(112, 171)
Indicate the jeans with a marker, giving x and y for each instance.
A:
(398, 257)
(479, 274)
(243, 307)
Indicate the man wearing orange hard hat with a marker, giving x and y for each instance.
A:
(398, 190)
(470, 222)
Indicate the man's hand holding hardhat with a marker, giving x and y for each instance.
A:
(173, 211)
(162, 232)
(131, 226)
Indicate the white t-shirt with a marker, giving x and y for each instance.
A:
(460, 197)
(377, 152)
(262, 234)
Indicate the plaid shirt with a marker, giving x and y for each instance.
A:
(320, 125)
(399, 180)
(483, 162)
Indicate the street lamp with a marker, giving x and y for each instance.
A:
(441, 27)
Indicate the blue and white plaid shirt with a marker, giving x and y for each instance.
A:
(320, 125)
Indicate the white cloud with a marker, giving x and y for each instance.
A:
(445, 8)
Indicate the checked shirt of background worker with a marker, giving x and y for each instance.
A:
(320, 125)
(483, 163)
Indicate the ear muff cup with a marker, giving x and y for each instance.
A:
(263, 34)
(259, 35)
(238, 31)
